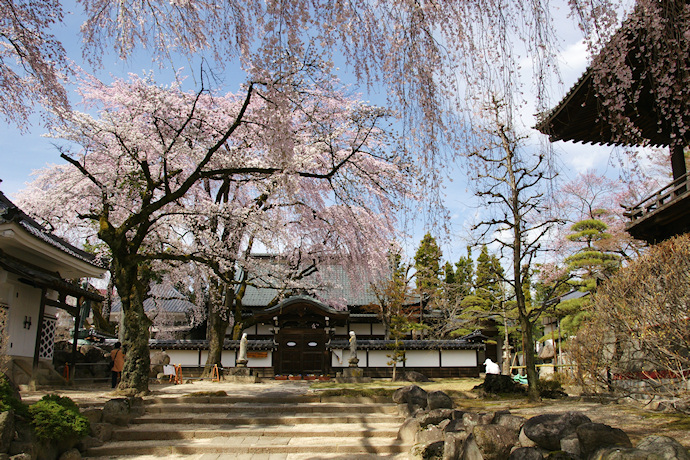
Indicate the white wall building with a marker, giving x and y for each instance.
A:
(34, 267)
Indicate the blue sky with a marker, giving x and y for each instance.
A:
(23, 153)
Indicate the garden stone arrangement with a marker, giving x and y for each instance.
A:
(438, 431)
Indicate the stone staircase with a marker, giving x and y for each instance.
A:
(278, 426)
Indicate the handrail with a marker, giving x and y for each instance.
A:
(660, 197)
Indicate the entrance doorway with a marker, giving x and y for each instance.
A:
(301, 351)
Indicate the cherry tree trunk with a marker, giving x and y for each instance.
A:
(217, 326)
(135, 337)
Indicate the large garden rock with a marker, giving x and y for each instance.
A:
(664, 448)
(524, 441)
(6, 430)
(120, 411)
(436, 416)
(439, 400)
(494, 442)
(623, 453)
(594, 436)
(102, 431)
(571, 444)
(408, 430)
(429, 435)
(454, 425)
(89, 442)
(560, 455)
(72, 454)
(527, 453)
(412, 395)
(470, 449)
(427, 451)
(452, 445)
(470, 419)
(547, 430)
(94, 414)
(508, 420)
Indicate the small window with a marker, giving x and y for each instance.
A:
(291, 344)
(312, 344)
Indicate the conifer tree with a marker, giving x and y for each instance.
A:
(589, 265)
(464, 274)
(482, 299)
(427, 263)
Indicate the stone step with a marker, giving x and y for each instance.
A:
(349, 430)
(273, 398)
(252, 445)
(264, 456)
(272, 408)
(269, 425)
(259, 419)
(266, 398)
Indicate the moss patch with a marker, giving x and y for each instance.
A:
(199, 394)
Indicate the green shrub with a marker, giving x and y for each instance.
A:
(8, 400)
(56, 418)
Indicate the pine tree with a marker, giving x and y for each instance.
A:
(589, 265)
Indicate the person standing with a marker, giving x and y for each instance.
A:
(117, 355)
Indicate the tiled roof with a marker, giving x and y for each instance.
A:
(163, 297)
(9, 212)
(334, 344)
(203, 344)
(45, 279)
(580, 115)
(458, 344)
(335, 287)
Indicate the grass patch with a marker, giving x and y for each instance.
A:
(198, 394)
(447, 385)
(671, 421)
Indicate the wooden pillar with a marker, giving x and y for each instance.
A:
(39, 328)
(75, 339)
(678, 161)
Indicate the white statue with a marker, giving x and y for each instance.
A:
(492, 367)
(242, 358)
(353, 345)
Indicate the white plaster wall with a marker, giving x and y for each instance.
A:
(264, 329)
(261, 362)
(343, 355)
(378, 358)
(191, 357)
(458, 358)
(5, 290)
(24, 301)
(184, 357)
(341, 330)
(422, 358)
(378, 329)
(361, 329)
(227, 359)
